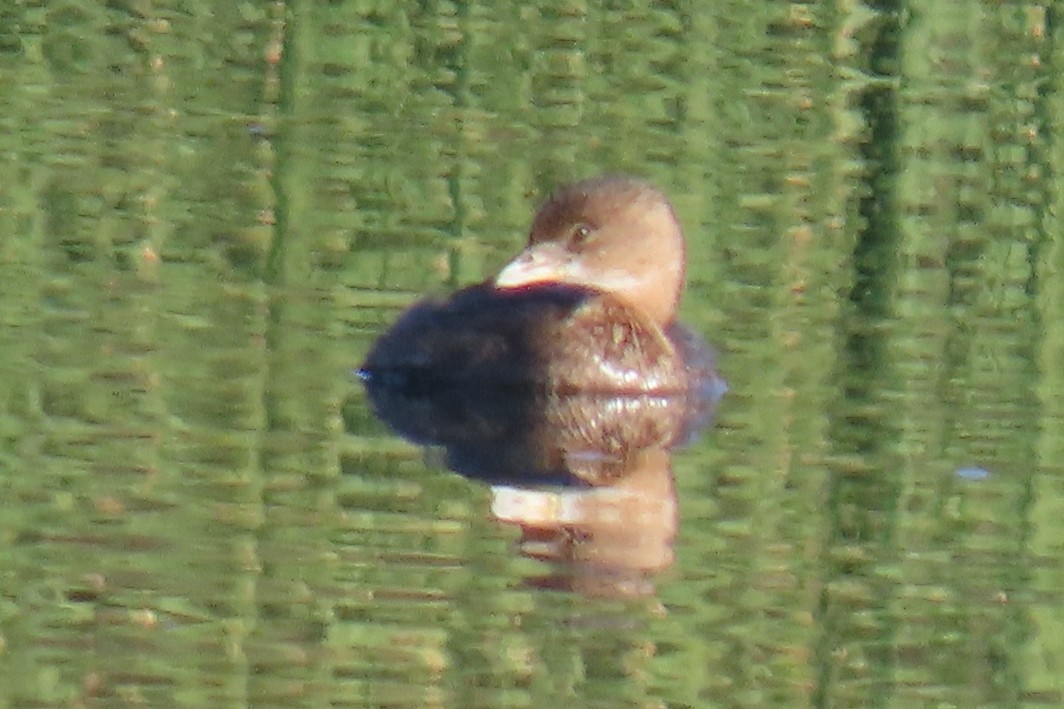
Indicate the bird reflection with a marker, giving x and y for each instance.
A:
(602, 540)
(586, 477)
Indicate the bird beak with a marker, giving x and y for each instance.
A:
(536, 264)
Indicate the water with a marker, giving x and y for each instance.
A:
(211, 210)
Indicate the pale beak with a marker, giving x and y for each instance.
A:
(536, 264)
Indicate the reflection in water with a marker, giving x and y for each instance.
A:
(602, 540)
(587, 478)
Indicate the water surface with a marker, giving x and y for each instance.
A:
(211, 210)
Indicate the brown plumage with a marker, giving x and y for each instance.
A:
(588, 306)
(580, 324)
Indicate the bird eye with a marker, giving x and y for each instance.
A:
(580, 234)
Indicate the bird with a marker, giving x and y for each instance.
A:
(588, 307)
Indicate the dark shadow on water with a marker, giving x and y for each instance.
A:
(586, 478)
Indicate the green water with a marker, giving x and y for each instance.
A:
(209, 210)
